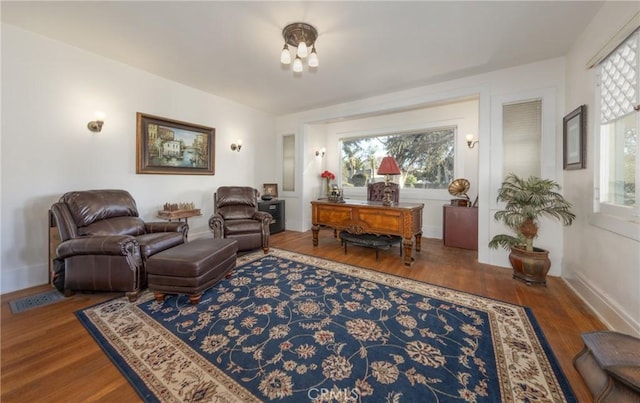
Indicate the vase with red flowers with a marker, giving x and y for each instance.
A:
(328, 176)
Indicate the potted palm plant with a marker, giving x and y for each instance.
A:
(527, 200)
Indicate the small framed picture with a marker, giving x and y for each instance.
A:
(270, 189)
(575, 147)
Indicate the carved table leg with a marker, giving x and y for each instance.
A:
(418, 241)
(408, 250)
(315, 229)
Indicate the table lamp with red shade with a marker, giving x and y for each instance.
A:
(388, 167)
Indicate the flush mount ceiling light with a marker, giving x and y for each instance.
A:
(302, 37)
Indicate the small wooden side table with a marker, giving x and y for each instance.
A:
(179, 214)
(609, 363)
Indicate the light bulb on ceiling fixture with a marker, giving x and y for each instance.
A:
(313, 57)
(297, 65)
(285, 56)
(303, 51)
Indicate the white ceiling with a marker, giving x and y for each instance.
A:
(232, 49)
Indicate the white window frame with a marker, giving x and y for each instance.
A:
(410, 193)
(548, 147)
(619, 219)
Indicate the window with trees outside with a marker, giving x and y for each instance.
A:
(617, 122)
(425, 157)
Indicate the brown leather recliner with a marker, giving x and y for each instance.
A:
(237, 217)
(105, 244)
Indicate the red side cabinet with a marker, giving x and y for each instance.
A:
(460, 227)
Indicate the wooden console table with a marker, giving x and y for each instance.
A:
(403, 219)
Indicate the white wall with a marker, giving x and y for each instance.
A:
(541, 79)
(603, 267)
(50, 91)
(462, 114)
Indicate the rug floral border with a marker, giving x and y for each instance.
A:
(510, 324)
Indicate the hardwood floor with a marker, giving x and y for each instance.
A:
(47, 355)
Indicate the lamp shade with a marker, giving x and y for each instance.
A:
(302, 50)
(285, 56)
(313, 58)
(389, 166)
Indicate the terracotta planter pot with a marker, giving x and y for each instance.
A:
(530, 267)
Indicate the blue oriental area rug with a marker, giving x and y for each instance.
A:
(293, 328)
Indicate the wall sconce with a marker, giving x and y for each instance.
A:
(470, 142)
(96, 125)
(237, 145)
(320, 153)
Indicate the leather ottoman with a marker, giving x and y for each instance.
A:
(191, 268)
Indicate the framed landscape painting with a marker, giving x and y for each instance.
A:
(166, 146)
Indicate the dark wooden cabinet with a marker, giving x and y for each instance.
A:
(276, 209)
(460, 227)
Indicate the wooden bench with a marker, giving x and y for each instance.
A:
(370, 241)
(609, 363)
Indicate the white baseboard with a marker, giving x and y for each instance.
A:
(25, 277)
(202, 234)
(610, 313)
(431, 231)
(295, 225)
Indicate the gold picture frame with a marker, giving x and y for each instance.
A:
(270, 189)
(167, 146)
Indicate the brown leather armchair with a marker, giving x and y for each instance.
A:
(237, 217)
(105, 244)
